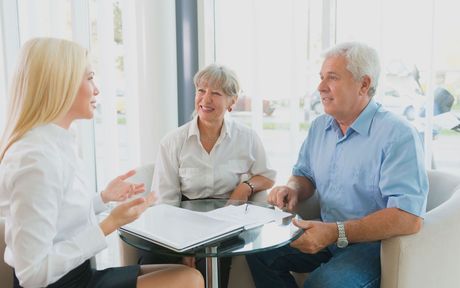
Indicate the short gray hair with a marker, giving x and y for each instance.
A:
(361, 59)
(218, 76)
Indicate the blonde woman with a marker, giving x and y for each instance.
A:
(51, 228)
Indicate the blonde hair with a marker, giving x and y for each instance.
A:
(44, 86)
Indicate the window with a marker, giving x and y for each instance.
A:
(274, 46)
(48, 18)
(420, 76)
(111, 118)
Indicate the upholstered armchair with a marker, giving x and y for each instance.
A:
(429, 258)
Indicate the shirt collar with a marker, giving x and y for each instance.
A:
(362, 124)
(62, 135)
(195, 131)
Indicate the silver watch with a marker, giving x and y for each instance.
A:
(342, 241)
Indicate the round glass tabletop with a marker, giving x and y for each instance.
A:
(265, 237)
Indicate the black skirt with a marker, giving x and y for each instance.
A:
(85, 277)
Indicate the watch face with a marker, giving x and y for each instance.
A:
(342, 243)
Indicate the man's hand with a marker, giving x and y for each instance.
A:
(316, 236)
(283, 197)
(119, 190)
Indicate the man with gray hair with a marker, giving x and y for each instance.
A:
(366, 164)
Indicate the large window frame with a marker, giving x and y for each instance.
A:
(209, 53)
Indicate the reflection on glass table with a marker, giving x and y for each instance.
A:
(265, 237)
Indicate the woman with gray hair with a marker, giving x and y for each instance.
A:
(211, 156)
(229, 155)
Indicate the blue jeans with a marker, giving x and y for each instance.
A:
(357, 265)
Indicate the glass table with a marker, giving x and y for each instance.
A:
(266, 237)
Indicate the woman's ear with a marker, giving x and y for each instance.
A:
(232, 102)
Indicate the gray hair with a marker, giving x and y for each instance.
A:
(362, 60)
(218, 76)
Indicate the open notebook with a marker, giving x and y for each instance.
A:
(181, 230)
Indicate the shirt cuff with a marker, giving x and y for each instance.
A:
(99, 205)
(91, 241)
(413, 205)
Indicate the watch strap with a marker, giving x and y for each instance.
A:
(250, 186)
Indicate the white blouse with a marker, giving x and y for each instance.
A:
(50, 221)
(184, 167)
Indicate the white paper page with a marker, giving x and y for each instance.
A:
(179, 228)
(251, 217)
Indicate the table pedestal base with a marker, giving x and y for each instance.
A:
(212, 269)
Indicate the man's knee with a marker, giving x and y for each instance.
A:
(356, 267)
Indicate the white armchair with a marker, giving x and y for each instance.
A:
(428, 258)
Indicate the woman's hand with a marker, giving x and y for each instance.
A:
(241, 192)
(126, 213)
(119, 190)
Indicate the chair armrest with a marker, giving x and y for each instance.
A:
(428, 258)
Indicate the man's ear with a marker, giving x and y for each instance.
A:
(365, 85)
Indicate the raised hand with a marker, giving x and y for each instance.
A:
(120, 190)
(126, 213)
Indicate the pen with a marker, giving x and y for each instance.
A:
(246, 209)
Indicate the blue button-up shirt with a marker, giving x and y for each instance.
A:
(378, 163)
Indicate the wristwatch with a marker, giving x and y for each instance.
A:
(342, 241)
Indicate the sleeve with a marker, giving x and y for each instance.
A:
(98, 204)
(303, 165)
(36, 189)
(261, 165)
(403, 178)
(165, 181)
